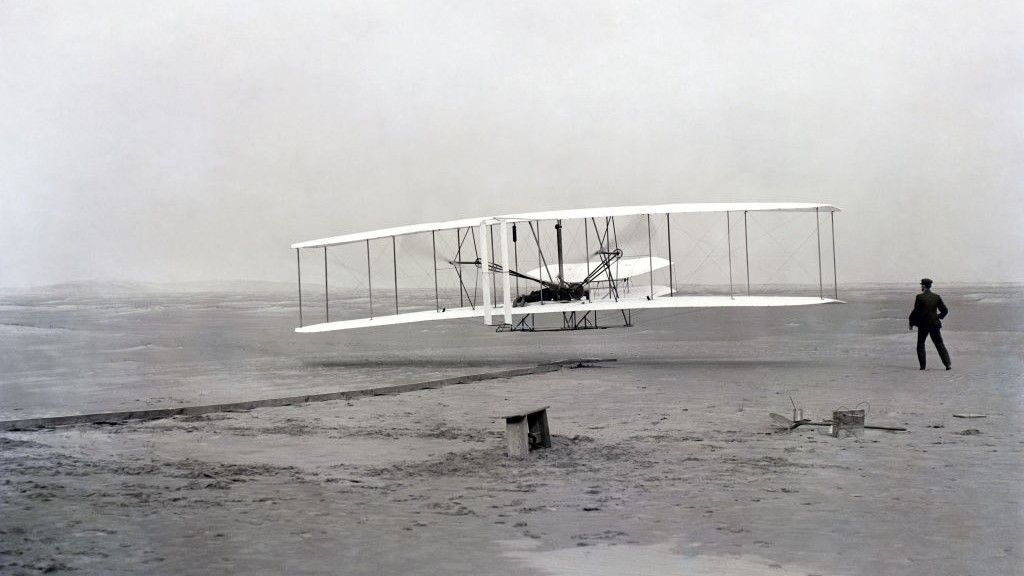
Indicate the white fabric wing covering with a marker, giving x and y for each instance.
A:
(634, 303)
(572, 214)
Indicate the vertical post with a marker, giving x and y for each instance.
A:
(433, 252)
(485, 273)
(515, 249)
(671, 280)
(835, 277)
(558, 238)
(369, 278)
(586, 244)
(494, 286)
(650, 256)
(746, 250)
(728, 234)
(817, 224)
(394, 262)
(327, 296)
(540, 260)
(458, 258)
(298, 264)
(506, 284)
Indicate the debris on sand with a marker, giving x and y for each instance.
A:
(970, 416)
(849, 421)
(970, 432)
(787, 424)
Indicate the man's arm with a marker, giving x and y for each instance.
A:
(942, 309)
(915, 314)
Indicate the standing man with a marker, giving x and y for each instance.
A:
(929, 310)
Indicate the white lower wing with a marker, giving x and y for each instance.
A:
(636, 301)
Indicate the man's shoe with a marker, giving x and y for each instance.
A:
(921, 368)
(949, 367)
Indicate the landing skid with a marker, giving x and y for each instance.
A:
(525, 324)
(571, 321)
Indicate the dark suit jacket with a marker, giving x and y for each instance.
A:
(928, 310)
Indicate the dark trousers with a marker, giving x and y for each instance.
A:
(936, 334)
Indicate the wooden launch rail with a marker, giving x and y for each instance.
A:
(158, 413)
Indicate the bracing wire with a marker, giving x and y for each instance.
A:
(772, 276)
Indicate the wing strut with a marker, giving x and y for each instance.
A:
(458, 256)
(671, 277)
(494, 285)
(394, 261)
(728, 235)
(485, 275)
(298, 264)
(369, 278)
(470, 233)
(506, 285)
(327, 299)
(586, 245)
(835, 277)
(433, 254)
(746, 250)
(817, 224)
(558, 238)
(650, 256)
(615, 232)
(515, 249)
(540, 256)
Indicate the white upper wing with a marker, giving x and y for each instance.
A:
(571, 214)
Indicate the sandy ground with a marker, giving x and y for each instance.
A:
(664, 462)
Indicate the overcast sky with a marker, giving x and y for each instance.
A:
(184, 141)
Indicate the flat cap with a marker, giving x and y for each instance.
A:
(926, 282)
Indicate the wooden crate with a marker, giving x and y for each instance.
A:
(527, 430)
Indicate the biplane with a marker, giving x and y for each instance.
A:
(573, 264)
